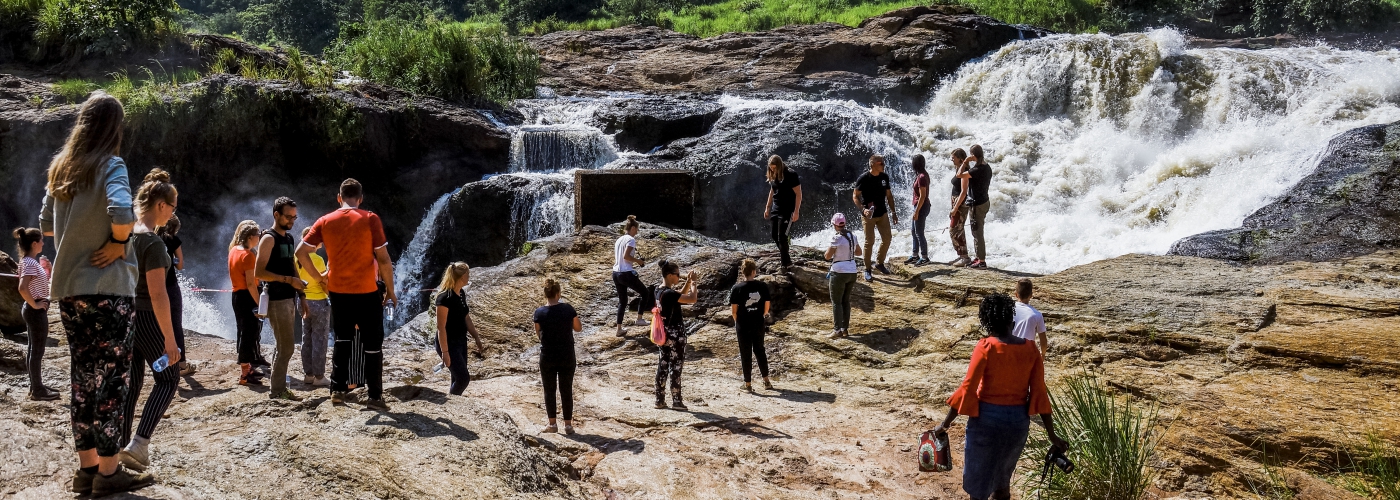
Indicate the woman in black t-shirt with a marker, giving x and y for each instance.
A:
(672, 358)
(749, 304)
(555, 324)
(454, 322)
(169, 233)
(784, 203)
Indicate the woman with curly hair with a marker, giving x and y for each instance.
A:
(1005, 384)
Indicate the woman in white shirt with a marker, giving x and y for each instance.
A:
(842, 253)
(625, 276)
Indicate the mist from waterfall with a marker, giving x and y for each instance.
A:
(1106, 145)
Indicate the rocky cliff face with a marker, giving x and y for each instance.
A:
(891, 60)
(1239, 360)
(1346, 208)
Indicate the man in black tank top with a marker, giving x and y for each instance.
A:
(277, 269)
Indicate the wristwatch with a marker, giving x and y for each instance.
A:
(113, 238)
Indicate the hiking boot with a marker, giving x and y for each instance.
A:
(868, 276)
(244, 373)
(119, 482)
(978, 264)
(285, 395)
(550, 429)
(187, 369)
(912, 259)
(337, 398)
(377, 405)
(881, 267)
(43, 394)
(82, 482)
(661, 404)
(748, 387)
(137, 454)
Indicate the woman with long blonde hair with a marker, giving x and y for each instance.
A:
(784, 204)
(87, 210)
(242, 259)
(454, 322)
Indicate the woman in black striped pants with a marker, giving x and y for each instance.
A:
(153, 333)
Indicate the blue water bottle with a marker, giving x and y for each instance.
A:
(161, 363)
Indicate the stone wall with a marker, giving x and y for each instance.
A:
(658, 196)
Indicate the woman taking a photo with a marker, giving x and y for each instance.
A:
(958, 216)
(454, 322)
(672, 358)
(34, 289)
(919, 254)
(555, 324)
(784, 203)
(1004, 385)
(87, 210)
(625, 275)
(842, 253)
(153, 333)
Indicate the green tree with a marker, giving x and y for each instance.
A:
(102, 27)
(306, 24)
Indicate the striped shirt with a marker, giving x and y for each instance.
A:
(39, 286)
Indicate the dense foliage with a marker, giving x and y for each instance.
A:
(442, 59)
(50, 29)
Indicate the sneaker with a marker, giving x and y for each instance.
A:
(621, 331)
(285, 395)
(912, 259)
(868, 276)
(661, 405)
(245, 373)
(641, 322)
(978, 264)
(748, 387)
(337, 398)
(679, 405)
(137, 454)
(187, 369)
(881, 267)
(308, 380)
(568, 429)
(767, 384)
(960, 262)
(836, 334)
(550, 429)
(120, 481)
(377, 405)
(43, 394)
(82, 482)
(321, 382)
(921, 262)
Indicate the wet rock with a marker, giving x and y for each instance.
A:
(1346, 208)
(643, 124)
(893, 59)
(10, 300)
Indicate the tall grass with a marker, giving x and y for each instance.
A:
(1111, 442)
(451, 61)
(1374, 471)
(74, 90)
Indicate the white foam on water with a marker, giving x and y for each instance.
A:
(1108, 145)
(408, 271)
(209, 313)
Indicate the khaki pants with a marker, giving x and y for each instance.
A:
(870, 225)
(281, 315)
(979, 222)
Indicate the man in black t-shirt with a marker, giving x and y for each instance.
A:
(277, 268)
(978, 203)
(749, 304)
(784, 204)
(872, 194)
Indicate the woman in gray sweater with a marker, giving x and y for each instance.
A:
(87, 210)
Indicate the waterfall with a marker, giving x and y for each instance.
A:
(408, 271)
(542, 207)
(1107, 145)
(554, 148)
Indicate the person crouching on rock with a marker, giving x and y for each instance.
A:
(152, 332)
(1004, 385)
(784, 204)
(749, 304)
(34, 289)
(841, 280)
(555, 324)
(454, 322)
(625, 276)
(672, 358)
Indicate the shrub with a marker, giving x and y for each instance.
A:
(1111, 442)
(450, 61)
(310, 25)
(74, 90)
(75, 28)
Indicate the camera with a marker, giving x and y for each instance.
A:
(1060, 461)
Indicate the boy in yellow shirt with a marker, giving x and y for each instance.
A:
(315, 322)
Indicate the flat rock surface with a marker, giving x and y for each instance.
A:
(1295, 358)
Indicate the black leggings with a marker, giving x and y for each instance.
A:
(36, 322)
(457, 353)
(751, 346)
(623, 281)
(177, 314)
(148, 345)
(245, 314)
(560, 376)
(362, 313)
(780, 227)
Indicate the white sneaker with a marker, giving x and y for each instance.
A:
(308, 380)
(321, 382)
(137, 454)
(961, 262)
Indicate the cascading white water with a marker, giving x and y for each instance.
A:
(408, 271)
(1107, 145)
(544, 207)
(552, 148)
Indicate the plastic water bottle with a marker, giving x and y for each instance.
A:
(389, 312)
(161, 364)
(438, 368)
(262, 303)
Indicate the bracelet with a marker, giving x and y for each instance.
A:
(113, 238)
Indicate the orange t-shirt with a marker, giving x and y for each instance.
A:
(1003, 374)
(240, 260)
(351, 235)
